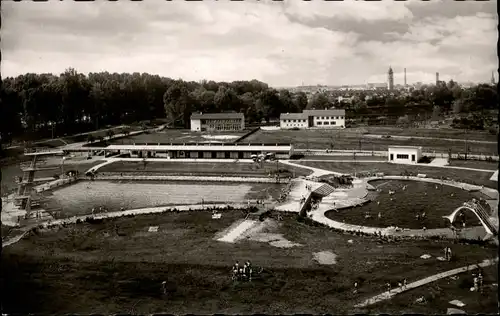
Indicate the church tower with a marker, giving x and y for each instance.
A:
(390, 79)
(493, 78)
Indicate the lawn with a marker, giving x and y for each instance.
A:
(438, 295)
(401, 211)
(117, 267)
(425, 132)
(235, 169)
(103, 132)
(181, 136)
(475, 164)
(346, 157)
(80, 198)
(467, 176)
(342, 139)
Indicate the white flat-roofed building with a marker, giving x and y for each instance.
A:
(326, 118)
(203, 151)
(217, 122)
(293, 120)
(313, 119)
(404, 154)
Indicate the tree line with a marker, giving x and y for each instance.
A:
(41, 105)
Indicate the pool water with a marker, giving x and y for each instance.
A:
(401, 208)
(81, 197)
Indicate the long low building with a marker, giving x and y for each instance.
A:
(217, 122)
(205, 151)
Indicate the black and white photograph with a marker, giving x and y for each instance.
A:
(249, 157)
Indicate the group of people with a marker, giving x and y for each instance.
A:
(242, 272)
(402, 285)
(284, 192)
(478, 282)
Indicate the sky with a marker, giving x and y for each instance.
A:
(284, 44)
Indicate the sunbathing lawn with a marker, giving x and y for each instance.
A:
(476, 164)
(467, 176)
(117, 267)
(401, 211)
(230, 168)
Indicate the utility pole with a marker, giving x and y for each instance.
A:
(277, 170)
(466, 149)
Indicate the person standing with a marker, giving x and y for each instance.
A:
(164, 287)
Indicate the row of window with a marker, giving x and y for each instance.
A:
(326, 123)
(224, 121)
(295, 125)
(223, 127)
(402, 156)
(329, 117)
(317, 117)
(294, 121)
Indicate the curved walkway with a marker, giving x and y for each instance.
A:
(317, 172)
(389, 294)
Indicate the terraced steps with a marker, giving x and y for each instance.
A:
(324, 190)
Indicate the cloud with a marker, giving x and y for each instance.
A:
(282, 43)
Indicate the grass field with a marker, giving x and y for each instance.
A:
(424, 132)
(235, 169)
(438, 295)
(418, 197)
(117, 267)
(467, 176)
(103, 132)
(80, 198)
(486, 165)
(343, 139)
(181, 136)
(348, 157)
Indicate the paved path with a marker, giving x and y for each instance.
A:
(381, 161)
(317, 172)
(494, 177)
(389, 294)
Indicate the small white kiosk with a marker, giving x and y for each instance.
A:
(404, 154)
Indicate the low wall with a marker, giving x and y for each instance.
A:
(304, 206)
(55, 184)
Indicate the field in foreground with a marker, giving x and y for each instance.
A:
(230, 168)
(346, 139)
(467, 176)
(118, 266)
(401, 208)
(439, 294)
